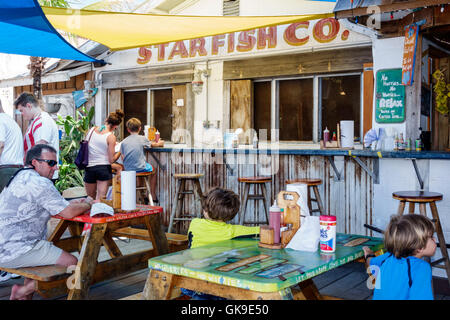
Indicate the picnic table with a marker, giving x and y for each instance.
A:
(240, 269)
(88, 270)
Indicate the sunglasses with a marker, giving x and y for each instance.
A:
(51, 163)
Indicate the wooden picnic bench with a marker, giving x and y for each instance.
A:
(58, 280)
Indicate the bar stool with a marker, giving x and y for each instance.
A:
(255, 181)
(422, 198)
(177, 207)
(143, 178)
(312, 184)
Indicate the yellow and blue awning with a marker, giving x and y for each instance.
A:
(120, 31)
(25, 30)
(28, 29)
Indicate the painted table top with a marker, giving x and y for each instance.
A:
(241, 263)
(144, 210)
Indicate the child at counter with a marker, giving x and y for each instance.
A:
(132, 152)
(401, 273)
(219, 206)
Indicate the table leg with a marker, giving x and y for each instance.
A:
(59, 231)
(76, 229)
(158, 286)
(309, 291)
(87, 262)
(111, 246)
(157, 235)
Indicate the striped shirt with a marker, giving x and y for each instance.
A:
(43, 127)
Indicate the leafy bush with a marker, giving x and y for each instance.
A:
(442, 90)
(74, 131)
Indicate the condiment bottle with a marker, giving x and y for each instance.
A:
(157, 136)
(334, 136)
(408, 144)
(255, 141)
(326, 135)
(401, 143)
(275, 221)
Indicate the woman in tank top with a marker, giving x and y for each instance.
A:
(102, 143)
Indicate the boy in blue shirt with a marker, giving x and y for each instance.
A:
(401, 273)
(132, 152)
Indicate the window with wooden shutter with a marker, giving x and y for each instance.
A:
(230, 7)
(241, 112)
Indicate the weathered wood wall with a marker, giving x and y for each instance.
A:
(349, 199)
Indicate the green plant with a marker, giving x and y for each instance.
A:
(74, 131)
(442, 90)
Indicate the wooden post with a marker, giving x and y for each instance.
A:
(412, 96)
(116, 190)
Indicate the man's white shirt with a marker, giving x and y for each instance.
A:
(11, 136)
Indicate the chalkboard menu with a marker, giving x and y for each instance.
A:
(390, 96)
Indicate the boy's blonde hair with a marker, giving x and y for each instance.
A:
(134, 124)
(406, 234)
(221, 204)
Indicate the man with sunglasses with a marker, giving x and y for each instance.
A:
(27, 203)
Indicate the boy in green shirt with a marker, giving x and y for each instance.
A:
(219, 206)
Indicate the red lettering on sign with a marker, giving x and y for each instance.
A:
(145, 55)
(161, 51)
(333, 27)
(217, 41)
(290, 34)
(264, 37)
(246, 41)
(197, 45)
(230, 42)
(178, 49)
(345, 35)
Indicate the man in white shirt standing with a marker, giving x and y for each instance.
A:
(11, 147)
(42, 128)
